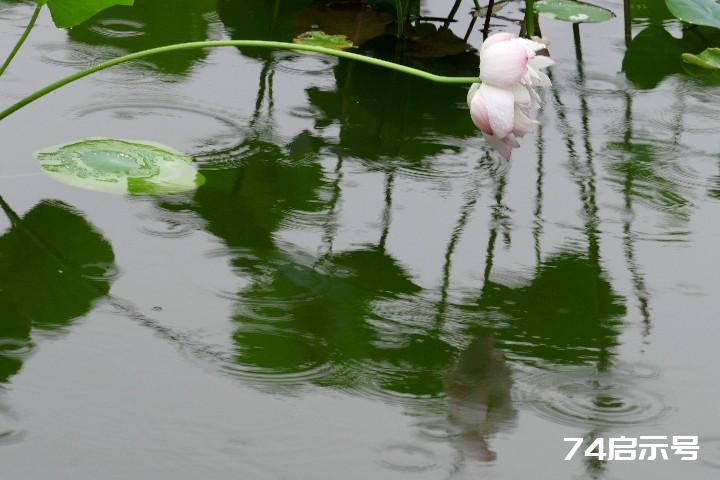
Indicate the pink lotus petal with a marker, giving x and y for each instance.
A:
(503, 63)
(479, 113)
(495, 38)
(500, 106)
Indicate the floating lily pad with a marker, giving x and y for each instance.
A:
(709, 59)
(571, 11)
(322, 39)
(121, 166)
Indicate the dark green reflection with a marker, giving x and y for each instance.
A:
(53, 266)
(150, 24)
(387, 116)
(246, 205)
(649, 11)
(647, 170)
(567, 313)
(262, 20)
(651, 56)
(655, 54)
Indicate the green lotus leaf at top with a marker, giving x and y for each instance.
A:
(708, 59)
(121, 166)
(571, 11)
(70, 13)
(699, 12)
(322, 39)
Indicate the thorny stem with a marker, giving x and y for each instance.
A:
(232, 43)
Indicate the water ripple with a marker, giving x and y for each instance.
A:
(404, 457)
(117, 28)
(583, 397)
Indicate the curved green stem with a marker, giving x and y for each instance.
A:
(232, 43)
(21, 40)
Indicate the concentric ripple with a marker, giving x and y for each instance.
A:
(408, 458)
(118, 28)
(583, 397)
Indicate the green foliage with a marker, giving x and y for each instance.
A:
(120, 166)
(321, 39)
(698, 12)
(70, 13)
(709, 59)
(571, 11)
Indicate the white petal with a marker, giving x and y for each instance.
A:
(523, 97)
(479, 113)
(531, 45)
(534, 77)
(503, 63)
(500, 105)
(542, 79)
(541, 61)
(522, 124)
(495, 38)
(535, 98)
(471, 93)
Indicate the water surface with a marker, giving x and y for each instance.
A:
(359, 290)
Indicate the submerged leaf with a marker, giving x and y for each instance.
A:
(709, 59)
(571, 11)
(70, 13)
(322, 39)
(121, 166)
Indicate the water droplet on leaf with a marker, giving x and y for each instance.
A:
(121, 166)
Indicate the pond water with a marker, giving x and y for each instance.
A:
(358, 290)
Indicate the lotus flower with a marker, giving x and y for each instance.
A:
(510, 68)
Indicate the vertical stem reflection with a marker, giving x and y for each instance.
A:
(630, 238)
(540, 171)
(465, 212)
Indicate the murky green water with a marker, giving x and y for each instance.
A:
(358, 290)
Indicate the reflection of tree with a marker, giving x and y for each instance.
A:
(567, 313)
(654, 54)
(53, 266)
(149, 24)
(261, 20)
(341, 320)
(386, 116)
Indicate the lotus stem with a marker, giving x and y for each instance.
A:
(22, 39)
(232, 43)
(530, 18)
